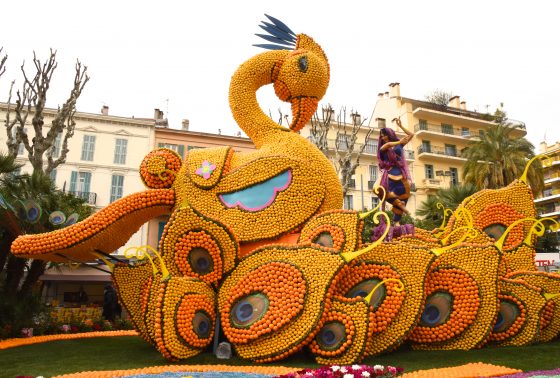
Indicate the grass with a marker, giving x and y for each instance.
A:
(128, 352)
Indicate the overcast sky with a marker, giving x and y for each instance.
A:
(179, 55)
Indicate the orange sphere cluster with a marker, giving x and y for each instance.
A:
(159, 168)
(283, 287)
(342, 227)
(184, 322)
(394, 319)
(194, 245)
(472, 271)
(106, 230)
(464, 305)
(134, 283)
(517, 323)
(550, 283)
(319, 269)
(350, 315)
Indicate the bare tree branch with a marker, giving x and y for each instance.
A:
(32, 100)
(2, 62)
(347, 150)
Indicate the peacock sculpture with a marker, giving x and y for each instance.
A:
(258, 245)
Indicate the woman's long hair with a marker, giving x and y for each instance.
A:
(388, 158)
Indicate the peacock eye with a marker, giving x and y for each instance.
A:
(331, 336)
(495, 231)
(302, 64)
(201, 261)
(363, 288)
(507, 315)
(324, 239)
(437, 309)
(202, 324)
(249, 309)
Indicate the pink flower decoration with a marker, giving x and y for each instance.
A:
(206, 169)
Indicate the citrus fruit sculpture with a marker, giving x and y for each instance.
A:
(257, 246)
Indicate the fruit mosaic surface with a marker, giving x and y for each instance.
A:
(468, 283)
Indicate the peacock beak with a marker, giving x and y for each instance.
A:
(302, 111)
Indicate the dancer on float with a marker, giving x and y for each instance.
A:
(395, 176)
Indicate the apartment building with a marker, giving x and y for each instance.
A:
(104, 158)
(548, 204)
(182, 141)
(359, 195)
(442, 132)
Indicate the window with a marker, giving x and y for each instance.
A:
(450, 150)
(342, 142)
(349, 202)
(179, 148)
(117, 182)
(21, 147)
(429, 170)
(56, 145)
(426, 146)
(88, 146)
(161, 226)
(193, 147)
(80, 183)
(374, 202)
(454, 176)
(120, 151)
(422, 124)
(481, 133)
(446, 128)
(52, 175)
(380, 122)
(371, 146)
(465, 132)
(373, 173)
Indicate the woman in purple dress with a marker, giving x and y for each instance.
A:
(395, 178)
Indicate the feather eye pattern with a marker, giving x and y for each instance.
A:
(281, 36)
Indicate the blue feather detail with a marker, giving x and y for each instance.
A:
(270, 46)
(275, 40)
(279, 34)
(280, 25)
(273, 30)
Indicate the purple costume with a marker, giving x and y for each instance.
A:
(392, 161)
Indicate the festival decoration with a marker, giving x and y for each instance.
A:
(257, 244)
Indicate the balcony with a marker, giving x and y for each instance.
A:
(370, 149)
(457, 132)
(439, 151)
(89, 197)
(430, 183)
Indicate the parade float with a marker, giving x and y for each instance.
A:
(258, 247)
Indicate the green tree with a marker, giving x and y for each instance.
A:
(498, 158)
(450, 198)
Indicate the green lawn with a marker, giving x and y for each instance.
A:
(128, 352)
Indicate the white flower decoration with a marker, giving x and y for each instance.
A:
(356, 367)
(343, 370)
(378, 368)
(365, 374)
(348, 376)
(335, 368)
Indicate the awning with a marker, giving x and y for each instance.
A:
(81, 274)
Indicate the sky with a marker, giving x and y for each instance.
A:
(179, 56)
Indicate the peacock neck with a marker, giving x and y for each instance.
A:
(248, 78)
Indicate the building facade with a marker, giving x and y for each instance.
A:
(103, 161)
(441, 135)
(548, 204)
(359, 195)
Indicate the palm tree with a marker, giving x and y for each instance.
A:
(450, 198)
(498, 159)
